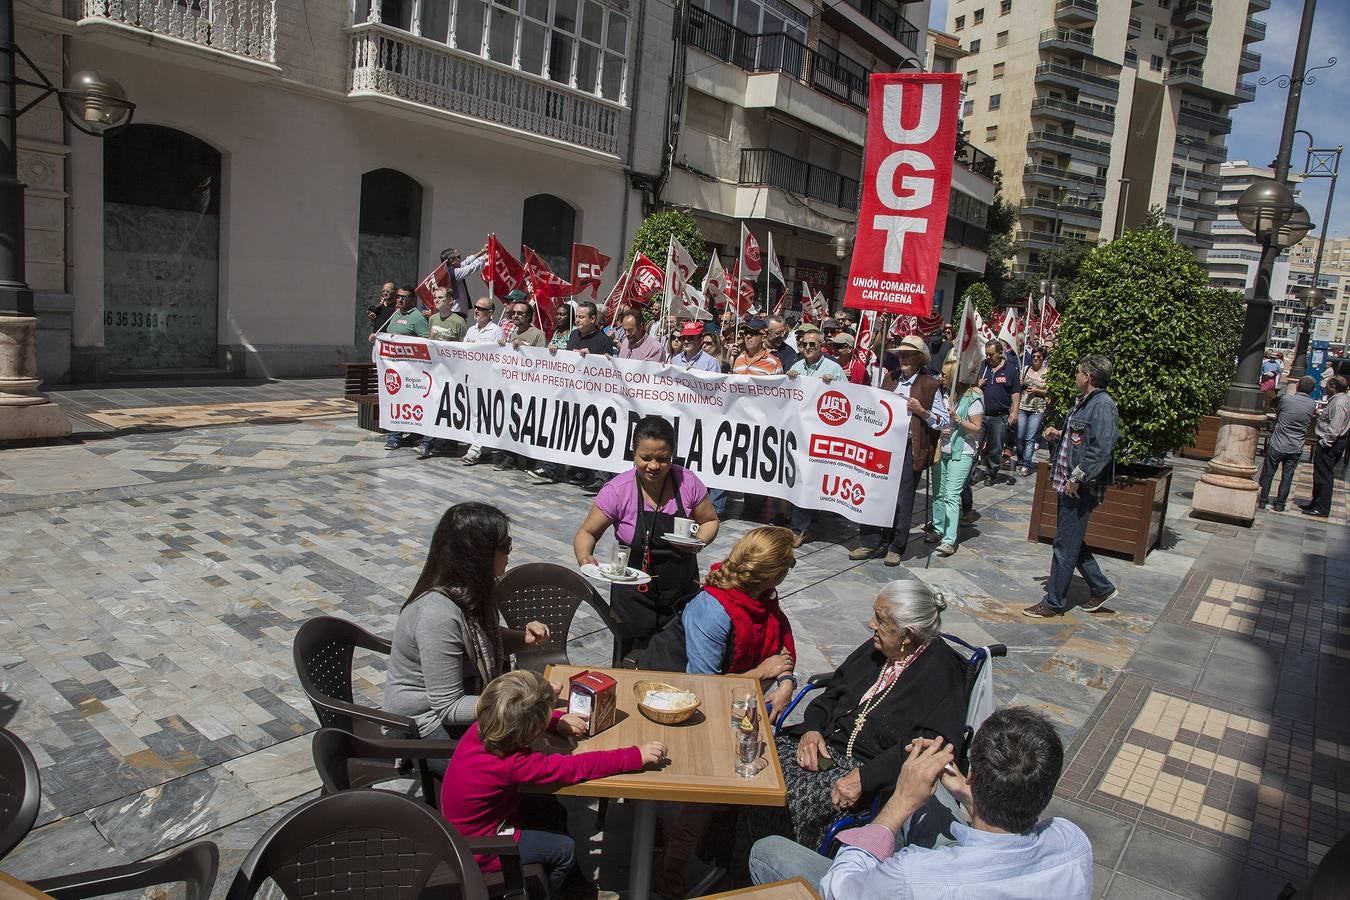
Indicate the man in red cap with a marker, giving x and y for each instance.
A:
(691, 355)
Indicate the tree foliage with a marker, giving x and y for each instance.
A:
(1144, 302)
(980, 295)
(653, 237)
(999, 251)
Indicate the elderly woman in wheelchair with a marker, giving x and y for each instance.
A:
(904, 683)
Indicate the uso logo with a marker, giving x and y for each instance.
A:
(833, 408)
(392, 382)
(846, 489)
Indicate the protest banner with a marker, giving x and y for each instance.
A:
(911, 138)
(818, 445)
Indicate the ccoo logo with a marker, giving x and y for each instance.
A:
(833, 408)
(392, 382)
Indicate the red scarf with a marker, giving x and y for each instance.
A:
(759, 629)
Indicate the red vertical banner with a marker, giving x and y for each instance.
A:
(907, 180)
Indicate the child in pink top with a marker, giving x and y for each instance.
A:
(480, 793)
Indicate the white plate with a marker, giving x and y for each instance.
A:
(680, 540)
(632, 576)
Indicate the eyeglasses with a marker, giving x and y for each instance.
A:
(505, 546)
(486, 309)
(808, 343)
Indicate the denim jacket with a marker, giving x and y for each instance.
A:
(1092, 429)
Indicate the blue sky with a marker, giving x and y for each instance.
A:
(1323, 110)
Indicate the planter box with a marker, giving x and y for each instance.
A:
(361, 386)
(1129, 521)
(1206, 439)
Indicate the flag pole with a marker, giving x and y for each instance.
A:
(627, 278)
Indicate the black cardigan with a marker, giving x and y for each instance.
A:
(929, 700)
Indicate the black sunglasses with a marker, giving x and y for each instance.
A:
(486, 309)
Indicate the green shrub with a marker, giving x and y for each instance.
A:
(653, 237)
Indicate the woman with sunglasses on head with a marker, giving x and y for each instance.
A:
(448, 642)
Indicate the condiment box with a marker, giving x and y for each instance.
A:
(594, 694)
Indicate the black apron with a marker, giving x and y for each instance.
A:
(645, 609)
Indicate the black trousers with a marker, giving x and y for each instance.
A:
(897, 536)
(1324, 474)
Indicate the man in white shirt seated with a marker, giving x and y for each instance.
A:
(915, 847)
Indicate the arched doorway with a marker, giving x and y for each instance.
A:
(387, 241)
(547, 229)
(161, 249)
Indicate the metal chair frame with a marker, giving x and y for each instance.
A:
(552, 594)
(20, 791)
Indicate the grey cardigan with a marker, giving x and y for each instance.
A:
(429, 665)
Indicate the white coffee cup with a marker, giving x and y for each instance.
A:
(685, 528)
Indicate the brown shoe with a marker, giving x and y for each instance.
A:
(1042, 610)
(798, 538)
(892, 558)
(863, 552)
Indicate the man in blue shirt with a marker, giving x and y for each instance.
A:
(813, 363)
(1001, 381)
(691, 355)
(915, 847)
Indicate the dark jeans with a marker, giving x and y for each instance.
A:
(1071, 526)
(718, 498)
(1029, 433)
(555, 852)
(897, 536)
(994, 429)
(1324, 475)
(1287, 463)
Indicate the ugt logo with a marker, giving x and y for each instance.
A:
(392, 382)
(846, 489)
(833, 408)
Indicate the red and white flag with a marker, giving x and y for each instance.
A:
(969, 345)
(911, 138)
(502, 272)
(645, 279)
(902, 327)
(615, 298)
(1049, 318)
(679, 269)
(808, 304)
(588, 264)
(740, 292)
(775, 272)
(863, 357)
(752, 262)
(714, 280)
(822, 307)
(439, 278)
(1008, 331)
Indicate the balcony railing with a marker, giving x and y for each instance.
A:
(1084, 207)
(1082, 75)
(1076, 10)
(1253, 32)
(1197, 179)
(1249, 61)
(1132, 58)
(1069, 141)
(762, 166)
(1185, 74)
(976, 160)
(243, 27)
(1079, 40)
(889, 20)
(825, 69)
(1189, 45)
(388, 61)
(1062, 174)
(1208, 118)
(1193, 13)
(1245, 89)
(1136, 26)
(1199, 148)
(1092, 110)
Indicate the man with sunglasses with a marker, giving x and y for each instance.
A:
(378, 314)
(812, 364)
(691, 355)
(520, 312)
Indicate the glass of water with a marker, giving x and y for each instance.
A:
(742, 705)
(618, 561)
(747, 752)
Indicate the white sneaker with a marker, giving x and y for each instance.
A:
(471, 458)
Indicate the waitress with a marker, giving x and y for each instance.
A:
(642, 507)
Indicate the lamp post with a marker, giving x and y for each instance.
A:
(1228, 490)
(1120, 211)
(1181, 193)
(93, 104)
(1320, 163)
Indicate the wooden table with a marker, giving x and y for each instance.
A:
(12, 888)
(791, 889)
(700, 768)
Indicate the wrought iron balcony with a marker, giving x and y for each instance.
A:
(825, 69)
(244, 28)
(1076, 11)
(976, 160)
(763, 166)
(390, 62)
(1066, 39)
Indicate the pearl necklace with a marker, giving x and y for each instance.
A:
(876, 700)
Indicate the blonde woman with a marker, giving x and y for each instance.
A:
(959, 444)
(734, 626)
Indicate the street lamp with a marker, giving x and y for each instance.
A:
(1264, 207)
(1320, 163)
(93, 103)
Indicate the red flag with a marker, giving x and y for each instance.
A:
(546, 287)
(644, 282)
(502, 272)
(808, 305)
(782, 301)
(1049, 318)
(616, 297)
(862, 349)
(930, 325)
(902, 326)
(907, 176)
(750, 255)
(740, 291)
(439, 278)
(588, 264)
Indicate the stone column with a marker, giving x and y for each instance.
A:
(25, 412)
(1228, 489)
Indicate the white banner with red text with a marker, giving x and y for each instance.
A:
(821, 446)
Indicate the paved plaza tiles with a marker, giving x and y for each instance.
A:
(154, 570)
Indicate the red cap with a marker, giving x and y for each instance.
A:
(692, 328)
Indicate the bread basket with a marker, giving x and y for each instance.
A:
(662, 716)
